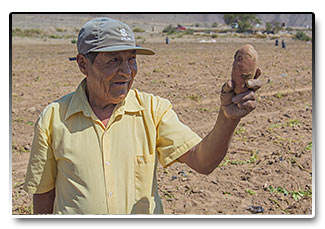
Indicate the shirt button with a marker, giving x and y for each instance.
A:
(110, 194)
(107, 163)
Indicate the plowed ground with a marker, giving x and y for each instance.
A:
(269, 163)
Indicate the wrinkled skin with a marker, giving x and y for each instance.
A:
(244, 68)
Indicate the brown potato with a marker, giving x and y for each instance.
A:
(244, 67)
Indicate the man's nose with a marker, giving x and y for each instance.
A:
(125, 68)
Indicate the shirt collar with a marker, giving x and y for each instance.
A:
(131, 102)
(79, 103)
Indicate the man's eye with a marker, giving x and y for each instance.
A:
(113, 61)
(132, 58)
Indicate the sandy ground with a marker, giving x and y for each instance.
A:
(269, 164)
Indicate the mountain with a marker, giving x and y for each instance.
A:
(45, 21)
(296, 20)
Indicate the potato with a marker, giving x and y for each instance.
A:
(244, 68)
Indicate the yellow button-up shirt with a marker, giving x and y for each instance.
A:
(105, 170)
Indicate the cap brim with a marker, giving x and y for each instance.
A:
(139, 50)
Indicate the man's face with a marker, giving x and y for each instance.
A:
(110, 77)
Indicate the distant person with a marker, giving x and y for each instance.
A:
(167, 40)
(276, 42)
(96, 150)
(283, 44)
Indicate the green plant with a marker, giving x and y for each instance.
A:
(60, 30)
(280, 95)
(243, 26)
(179, 35)
(293, 122)
(23, 210)
(240, 130)
(252, 159)
(274, 126)
(208, 31)
(18, 184)
(226, 193)
(26, 32)
(310, 146)
(214, 25)
(30, 123)
(268, 26)
(296, 195)
(244, 21)
(203, 109)
(300, 35)
(169, 29)
(195, 97)
(272, 26)
(53, 36)
(289, 29)
(250, 192)
(189, 32)
(138, 30)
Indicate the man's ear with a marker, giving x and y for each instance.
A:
(82, 63)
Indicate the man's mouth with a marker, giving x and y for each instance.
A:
(121, 83)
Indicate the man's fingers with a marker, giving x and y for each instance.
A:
(226, 98)
(227, 93)
(242, 97)
(247, 105)
(257, 73)
(228, 87)
(254, 84)
(238, 106)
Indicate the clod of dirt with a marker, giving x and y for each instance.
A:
(255, 209)
(27, 147)
(182, 173)
(173, 177)
(244, 68)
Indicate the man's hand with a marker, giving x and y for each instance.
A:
(206, 156)
(237, 106)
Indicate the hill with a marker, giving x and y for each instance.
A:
(42, 21)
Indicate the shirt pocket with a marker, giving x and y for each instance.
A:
(144, 175)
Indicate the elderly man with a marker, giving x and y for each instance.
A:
(95, 151)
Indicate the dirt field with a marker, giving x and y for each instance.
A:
(269, 163)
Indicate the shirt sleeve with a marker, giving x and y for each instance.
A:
(41, 170)
(173, 137)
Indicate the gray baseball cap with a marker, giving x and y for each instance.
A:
(108, 35)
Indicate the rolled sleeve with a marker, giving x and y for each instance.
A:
(41, 170)
(174, 138)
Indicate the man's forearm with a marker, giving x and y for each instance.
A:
(43, 203)
(212, 149)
